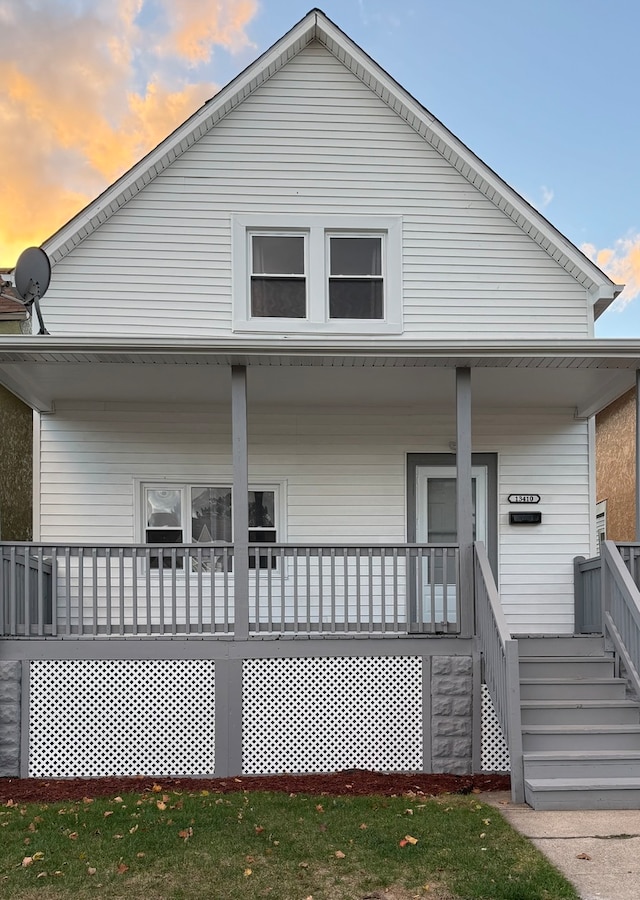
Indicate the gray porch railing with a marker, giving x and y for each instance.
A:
(355, 588)
(621, 606)
(500, 664)
(74, 591)
(587, 593)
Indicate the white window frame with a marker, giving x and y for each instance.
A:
(278, 487)
(317, 230)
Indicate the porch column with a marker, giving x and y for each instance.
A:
(464, 498)
(637, 454)
(240, 504)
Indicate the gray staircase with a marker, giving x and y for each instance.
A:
(580, 732)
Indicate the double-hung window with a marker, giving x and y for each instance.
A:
(278, 276)
(194, 514)
(317, 274)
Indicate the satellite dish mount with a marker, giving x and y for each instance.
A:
(33, 274)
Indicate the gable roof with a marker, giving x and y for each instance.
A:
(315, 26)
(12, 309)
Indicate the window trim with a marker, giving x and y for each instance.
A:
(317, 230)
(277, 485)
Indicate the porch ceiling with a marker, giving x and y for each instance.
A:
(585, 375)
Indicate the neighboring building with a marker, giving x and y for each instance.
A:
(616, 467)
(312, 444)
(15, 435)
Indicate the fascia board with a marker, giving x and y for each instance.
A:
(48, 346)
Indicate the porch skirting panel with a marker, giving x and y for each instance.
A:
(121, 717)
(319, 715)
(242, 711)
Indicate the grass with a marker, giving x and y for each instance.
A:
(287, 847)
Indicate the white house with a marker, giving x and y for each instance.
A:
(290, 349)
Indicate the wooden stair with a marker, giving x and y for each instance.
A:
(580, 730)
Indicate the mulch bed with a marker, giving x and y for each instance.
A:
(350, 782)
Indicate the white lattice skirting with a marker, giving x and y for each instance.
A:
(321, 715)
(495, 753)
(90, 718)
(93, 718)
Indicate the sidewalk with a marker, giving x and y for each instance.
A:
(609, 840)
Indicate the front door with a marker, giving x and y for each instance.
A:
(436, 600)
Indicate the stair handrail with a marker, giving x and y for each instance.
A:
(501, 664)
(621, 611)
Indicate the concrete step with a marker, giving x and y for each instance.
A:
(583, 712)
(582, 764)
(561, 645)
(582, 793)
(572, 689)
(561, 737)
(566, 667)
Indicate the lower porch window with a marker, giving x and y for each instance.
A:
(198, 513)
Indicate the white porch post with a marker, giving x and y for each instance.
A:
(637, 454)
(240, 501)
(464, 499)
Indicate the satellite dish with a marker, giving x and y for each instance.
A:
(32, 276)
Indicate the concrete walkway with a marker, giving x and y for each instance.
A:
(597, 850)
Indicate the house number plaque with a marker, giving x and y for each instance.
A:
(524, 498)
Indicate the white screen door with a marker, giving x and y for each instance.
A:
(436, 524)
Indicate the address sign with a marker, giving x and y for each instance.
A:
(524, 498)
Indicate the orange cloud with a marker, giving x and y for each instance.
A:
(90, 98)
(622, 264)
(198, 24)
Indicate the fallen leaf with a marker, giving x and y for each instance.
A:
(259, 829)
(319, 808)
(117, 800)
(122, 868)
(27, 841)
(156, 788)
(247, 872)
(73, 836)
(408, 812)
(91, 870)
(165, 798)
(41, 875)
(363, 827)
(134, 829)
(109, 812)
(139, 855)
(32, 826)
(204, 793)
(161, 805)
(27, 861)
(87, 799)
(410, 840)
(340, 854)
(186, 833)
(583, 856)
(402, 843)
(39, 855)
(303, 865)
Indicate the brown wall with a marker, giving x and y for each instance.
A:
(615, 465)
(15, 468)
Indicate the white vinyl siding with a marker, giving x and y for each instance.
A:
(345, 477)
(313, 140)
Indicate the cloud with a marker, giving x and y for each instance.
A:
(547, 196)
(622, 264)
(102, 83)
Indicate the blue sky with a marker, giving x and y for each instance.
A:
(544, 91)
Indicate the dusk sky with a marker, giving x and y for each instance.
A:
(544, 91)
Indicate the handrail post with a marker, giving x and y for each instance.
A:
(464, 499)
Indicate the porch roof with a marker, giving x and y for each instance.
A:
(583, 374)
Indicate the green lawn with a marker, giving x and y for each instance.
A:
(201, 845)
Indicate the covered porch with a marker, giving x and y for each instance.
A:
(350, 553)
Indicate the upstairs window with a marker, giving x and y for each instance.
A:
(356, 284)
(317, 274)
(278, 277)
